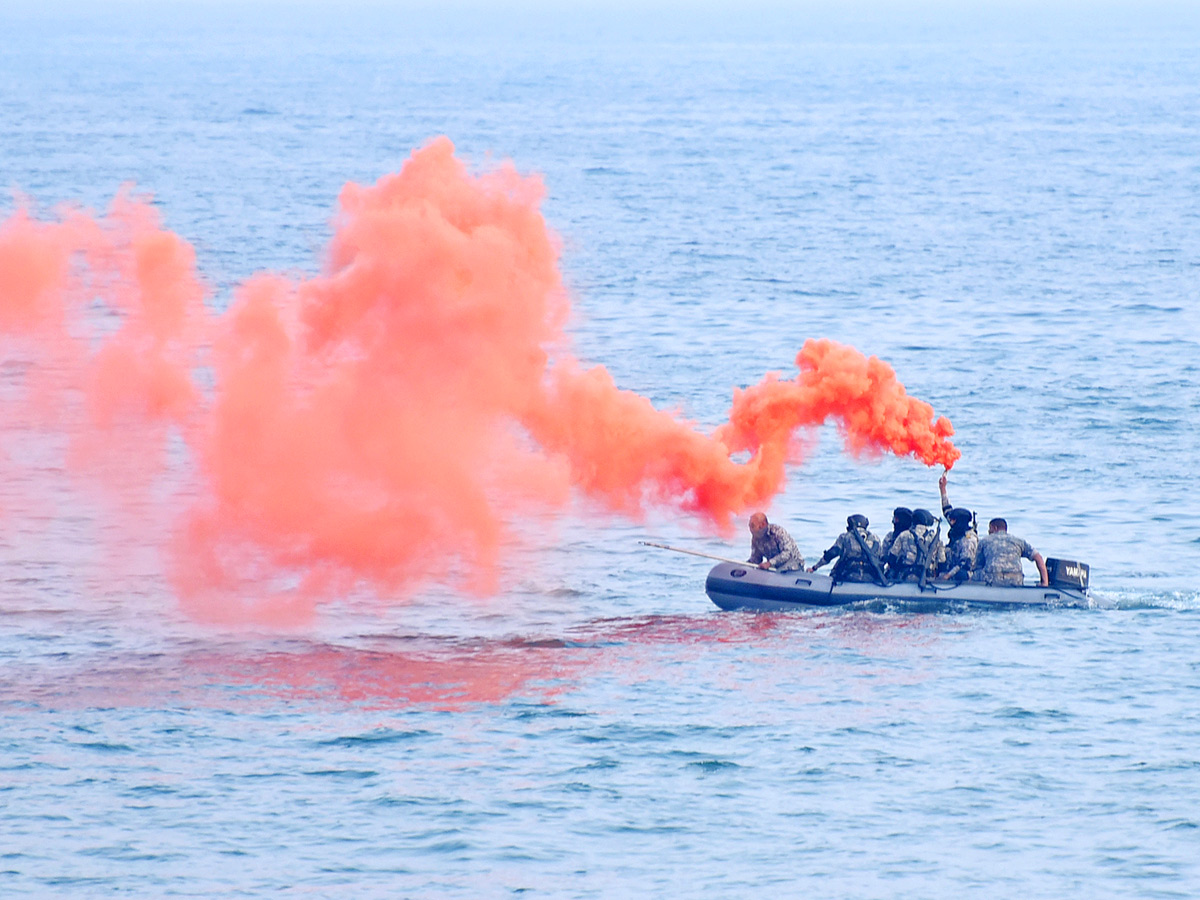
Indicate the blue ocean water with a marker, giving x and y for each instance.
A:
(1006, 209)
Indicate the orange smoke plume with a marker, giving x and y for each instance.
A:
(386, 421)
(837, 382)
(622, 450)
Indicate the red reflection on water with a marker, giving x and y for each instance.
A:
(802, 658)
(759, 666)
(863, 629)
(444, 679)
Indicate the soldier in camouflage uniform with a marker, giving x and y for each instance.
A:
(962, 541)
(901, 522)
(998, 560)
(963, 544)
(910, 546)
(853, 564)
(772, 547)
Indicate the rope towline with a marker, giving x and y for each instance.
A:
(736, 562)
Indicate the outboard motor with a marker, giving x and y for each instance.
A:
(1067, 574)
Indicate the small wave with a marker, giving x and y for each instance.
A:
(105, 747)
(1020, 712)
(373, 738)
(537, 643)
(71, 881)
(142, 789)
(713, 765)
(542, 711)
(351, 774)
(1015, 712)
(605, 762)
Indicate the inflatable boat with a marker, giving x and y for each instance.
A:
(743, 586)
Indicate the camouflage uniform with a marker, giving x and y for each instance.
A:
(776, 546)
(962, 550)
(906, 551)
(885, 546)
(998, 560)
(852, 564)
(961, 554)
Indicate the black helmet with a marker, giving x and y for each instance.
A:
(922, 517)
(960, 514)
(902, 516)
(856, 521)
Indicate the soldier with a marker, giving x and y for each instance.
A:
(901, 521)
(963, 543)
(998, 560)
(911, 547)
(771, 547)
(857, 553)
(962, 539)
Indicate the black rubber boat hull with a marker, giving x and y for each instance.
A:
(732, 586)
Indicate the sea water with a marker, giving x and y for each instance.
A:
(1004, 205)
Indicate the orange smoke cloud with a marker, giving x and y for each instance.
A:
(103, 318)
(623, 451)
(385, 421)
(861, 394)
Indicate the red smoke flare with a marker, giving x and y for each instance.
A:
(386, 421)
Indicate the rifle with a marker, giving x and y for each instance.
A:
(871, 557)
(923, 556)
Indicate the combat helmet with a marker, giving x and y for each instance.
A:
(960, 514)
